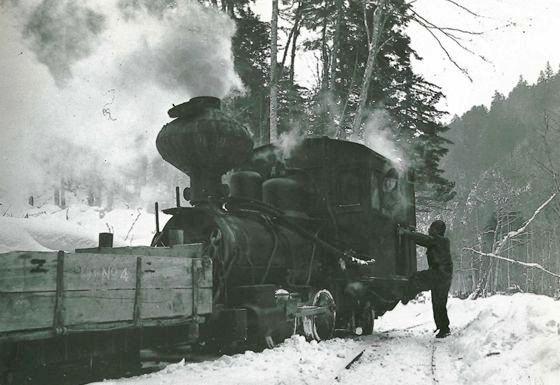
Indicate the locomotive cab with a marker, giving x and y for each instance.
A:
(363, 199)
(362, 195)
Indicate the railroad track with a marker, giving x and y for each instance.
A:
(433, 363)
(373, 358)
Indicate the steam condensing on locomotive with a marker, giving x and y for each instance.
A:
(308, 243)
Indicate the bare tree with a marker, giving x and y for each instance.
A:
(273, 77)
(499, 246)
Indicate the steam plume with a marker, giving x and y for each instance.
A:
(378, 135)
(90, 83)
(185, 51)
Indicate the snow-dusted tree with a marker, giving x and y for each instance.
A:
(499, 245)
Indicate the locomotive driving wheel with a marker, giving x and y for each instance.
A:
(322, 325)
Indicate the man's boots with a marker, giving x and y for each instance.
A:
(443, 333)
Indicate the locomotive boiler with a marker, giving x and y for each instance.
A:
(272, 242)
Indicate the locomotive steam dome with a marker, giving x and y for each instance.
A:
(204, 142)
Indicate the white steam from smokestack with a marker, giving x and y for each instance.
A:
(378, 135)
(87, 84)
(288, 142)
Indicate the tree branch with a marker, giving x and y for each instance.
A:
(515, 233)
(513, 261)
(463, 8)
(463, 70)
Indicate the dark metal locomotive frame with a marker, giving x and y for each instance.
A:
(292, 234)
(289, 240)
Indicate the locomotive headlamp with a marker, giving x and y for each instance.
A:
(187, 193)
(281, 296)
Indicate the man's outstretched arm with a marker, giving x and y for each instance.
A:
(418, 238)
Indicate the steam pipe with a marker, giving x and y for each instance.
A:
(281, 217)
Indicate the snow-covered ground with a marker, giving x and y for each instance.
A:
(52, 228)
(498, 340)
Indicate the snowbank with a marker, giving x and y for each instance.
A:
(497, 340)
(43, 234)
(52, 228)
(508, 340)
(293, 362)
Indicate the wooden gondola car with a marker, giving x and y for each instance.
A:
(90, 309)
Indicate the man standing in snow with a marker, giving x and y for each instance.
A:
(438, 276)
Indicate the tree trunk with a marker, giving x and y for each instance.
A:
(324, 100)
(333, 65)
(273, 81)
(340, 130)
(336, 44)
(374, 46)
(297, 27)
(294, 31)
(62, 194)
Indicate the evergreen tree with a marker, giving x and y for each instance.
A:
(340, 31)
(408, 98)
(251, 51)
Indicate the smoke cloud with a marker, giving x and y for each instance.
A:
(185, 51)
(61, 33)
(87, 84)
(130, 8)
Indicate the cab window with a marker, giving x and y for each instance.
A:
(350, 185)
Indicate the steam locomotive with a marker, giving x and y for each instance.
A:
(302, 240)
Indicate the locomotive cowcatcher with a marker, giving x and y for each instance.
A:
(275, 241)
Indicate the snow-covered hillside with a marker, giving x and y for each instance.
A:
(513, 340)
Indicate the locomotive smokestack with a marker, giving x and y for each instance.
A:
(203, 142)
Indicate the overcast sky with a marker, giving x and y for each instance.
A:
(520, 37)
